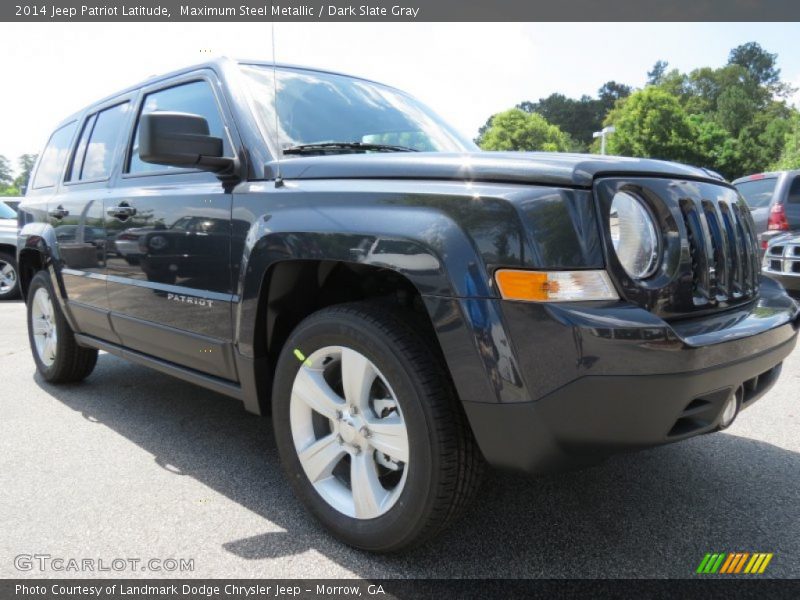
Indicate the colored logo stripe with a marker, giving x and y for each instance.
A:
(734, 562)
(710, 563)
(758, 563)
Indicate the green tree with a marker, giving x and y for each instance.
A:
(25, 162)
(759, 64)
(6, 174)
(652, 123)
(656, 75)
(733, 119)
(578, 118)
(574, 117)
(790, 151)
(738, 110)
(516, 129)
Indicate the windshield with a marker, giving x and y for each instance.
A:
(6, 212)
(757, 192)
(316, 108)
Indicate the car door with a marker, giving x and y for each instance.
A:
(46, 177)
(169, 280)
(76, 215)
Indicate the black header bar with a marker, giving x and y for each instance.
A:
(400, 10)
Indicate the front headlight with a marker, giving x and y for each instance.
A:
(634, 235)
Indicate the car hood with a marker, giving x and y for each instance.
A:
(786, 238)
(8, 224)
(573, 170)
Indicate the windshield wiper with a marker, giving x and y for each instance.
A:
(323, 147)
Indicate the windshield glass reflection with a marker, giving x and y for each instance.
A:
(316, 107)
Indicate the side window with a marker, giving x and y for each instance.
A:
(794, 191)
(53, 157)
(94, 157)
(196, 98)
(74, 172)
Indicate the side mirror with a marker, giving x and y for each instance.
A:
(180, 140)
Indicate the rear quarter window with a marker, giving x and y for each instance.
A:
(51, 165)
(757, 192)
(794, 191)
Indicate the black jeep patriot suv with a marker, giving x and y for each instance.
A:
(405, 306)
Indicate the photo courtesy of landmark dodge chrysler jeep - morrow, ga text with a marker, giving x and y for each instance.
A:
(406, 307)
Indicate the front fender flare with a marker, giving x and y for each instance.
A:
(439, 260)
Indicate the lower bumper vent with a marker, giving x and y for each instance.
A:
(703, 413)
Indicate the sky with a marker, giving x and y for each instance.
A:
(464, 71)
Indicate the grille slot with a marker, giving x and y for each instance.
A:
(720, 239)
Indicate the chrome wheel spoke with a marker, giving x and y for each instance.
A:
(39, 326)
(311, 388)
(48, 350)
(320, 458)
(368, 494)
(358, 374)
(43, 304)
(390, 437)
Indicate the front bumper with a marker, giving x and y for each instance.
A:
(604, 379)
(790, 281)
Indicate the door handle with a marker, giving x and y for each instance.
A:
(58, 213)
(121, 212)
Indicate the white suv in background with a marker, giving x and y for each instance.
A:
(9, 282)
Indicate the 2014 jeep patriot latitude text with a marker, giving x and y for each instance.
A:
(406, 307)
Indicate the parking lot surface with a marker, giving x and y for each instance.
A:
(134, 464)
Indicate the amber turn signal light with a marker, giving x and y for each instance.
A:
(554, 286)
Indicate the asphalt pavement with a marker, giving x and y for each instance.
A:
(133, 464)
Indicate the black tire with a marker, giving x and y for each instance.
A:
(72, 362)
(445, 464)
(10, 291)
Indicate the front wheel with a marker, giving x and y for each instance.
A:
(369, 429)
(58, 357)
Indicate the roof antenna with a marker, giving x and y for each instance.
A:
(278, 175)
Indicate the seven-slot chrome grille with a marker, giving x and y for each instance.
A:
(708, 249)
(723, 248)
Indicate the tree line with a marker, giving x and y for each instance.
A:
(735, 119)
(10, 185)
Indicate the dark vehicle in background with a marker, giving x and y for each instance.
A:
(782, 261)
(774, 201)
(9, 280)
(405, 307)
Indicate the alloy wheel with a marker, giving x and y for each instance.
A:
(349, 432)
(8, 277)
(45, 333)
